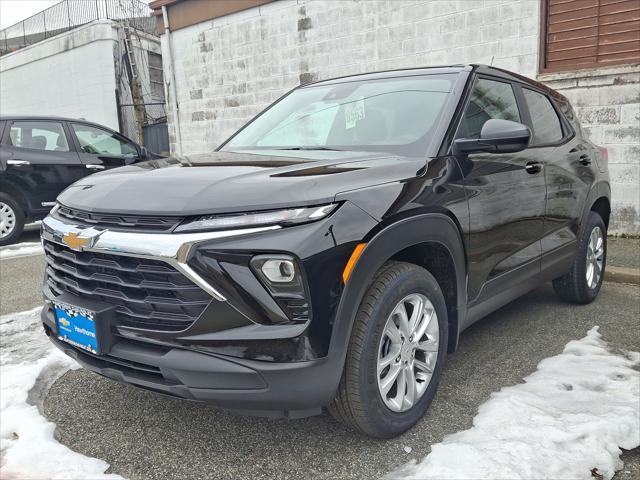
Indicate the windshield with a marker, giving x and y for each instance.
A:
(396, 115)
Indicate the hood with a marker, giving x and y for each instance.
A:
(224, 182)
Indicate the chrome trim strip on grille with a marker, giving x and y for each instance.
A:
(171, 248)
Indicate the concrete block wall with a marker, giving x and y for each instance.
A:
(607, 101)
(229, 69)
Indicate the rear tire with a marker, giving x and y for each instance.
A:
(583, 282)
(380, 348)
(11, 220)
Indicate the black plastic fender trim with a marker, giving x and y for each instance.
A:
(429, 227)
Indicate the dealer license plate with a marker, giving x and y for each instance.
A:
(77, 327)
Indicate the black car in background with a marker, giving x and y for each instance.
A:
(41, 156)
(330, 252)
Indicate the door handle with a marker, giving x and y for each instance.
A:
(585, 159)
(18, 163)
(93, 166)
(533, 167)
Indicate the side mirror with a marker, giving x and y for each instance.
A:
(144, 153)
(496, 136)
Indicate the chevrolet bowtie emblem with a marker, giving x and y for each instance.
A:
(82, 240)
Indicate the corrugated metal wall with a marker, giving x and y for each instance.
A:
(156, 138)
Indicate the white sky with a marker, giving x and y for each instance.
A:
(13, 11)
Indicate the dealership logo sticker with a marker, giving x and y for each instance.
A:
(353, 113)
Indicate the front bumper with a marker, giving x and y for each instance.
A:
(241, 352)
(293, 389)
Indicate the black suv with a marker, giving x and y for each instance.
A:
(331, 251)
(41, 156)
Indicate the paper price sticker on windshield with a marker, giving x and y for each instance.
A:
(353, 113)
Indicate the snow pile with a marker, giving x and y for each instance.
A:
(568, 418)
(21, 250)
(29, 364)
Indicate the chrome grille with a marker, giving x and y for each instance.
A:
(148, 294)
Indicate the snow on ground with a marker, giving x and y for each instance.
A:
(29, 365)
(21, 250)
(569, 417)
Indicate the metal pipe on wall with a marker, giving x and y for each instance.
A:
(170, 83)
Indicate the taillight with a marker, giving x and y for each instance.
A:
(604, 153)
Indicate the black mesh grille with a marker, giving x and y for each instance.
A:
(148, 294)
(119, 222)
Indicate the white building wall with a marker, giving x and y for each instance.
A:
(229, 69)
(71, 75)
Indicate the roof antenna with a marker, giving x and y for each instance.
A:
(492, 57)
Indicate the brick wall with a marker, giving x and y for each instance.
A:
(229, 69)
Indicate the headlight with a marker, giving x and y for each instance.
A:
(291, 216)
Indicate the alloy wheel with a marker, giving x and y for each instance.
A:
(7, 220)
(595, 257)
(408, 352)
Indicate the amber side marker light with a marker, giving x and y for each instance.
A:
(352, 261)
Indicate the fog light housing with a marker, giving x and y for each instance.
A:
(279, 270)
(284, 279)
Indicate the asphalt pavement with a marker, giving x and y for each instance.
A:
(147, 436)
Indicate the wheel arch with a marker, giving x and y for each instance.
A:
(602, 207)
(598, 200)
(410, 239)
(10, 188)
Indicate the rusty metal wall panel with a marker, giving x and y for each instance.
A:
(184, 13)
(589, 33)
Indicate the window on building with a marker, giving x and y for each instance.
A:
(39, 136)
(97, 141)
(155, 75)
(489, 99)
(589, 33)
(546, 124)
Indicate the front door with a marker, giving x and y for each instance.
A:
(40, 159)
(101, 149)
(506, 195)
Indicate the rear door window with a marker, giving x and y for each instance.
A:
(102, 142)
(489, 99)
(544, 118)
(38, 135)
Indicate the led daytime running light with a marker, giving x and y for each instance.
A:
(275, 217)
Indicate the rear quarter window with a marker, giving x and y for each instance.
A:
(544, 118)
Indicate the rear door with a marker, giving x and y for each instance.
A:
(506, 195)
(569, 166)
(38, 156)
(101, 148)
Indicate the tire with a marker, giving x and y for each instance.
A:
(359, 400)
(11, 220)
(578, 286)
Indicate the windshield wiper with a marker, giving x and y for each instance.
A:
(309, 148)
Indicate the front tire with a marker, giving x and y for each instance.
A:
(396, 353)
(11, 220)
(583, 282)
